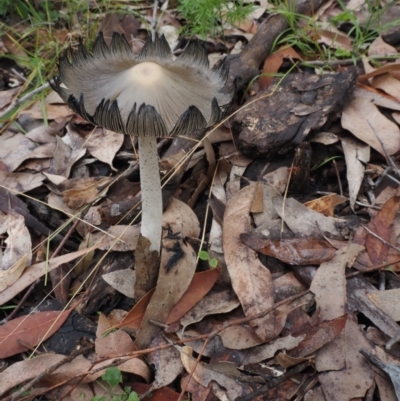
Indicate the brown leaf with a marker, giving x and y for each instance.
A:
(318, 336)
(379, 71)
(273, 62)
(294, 251)
(83, 191)
(381, 225)
(25, 332)
(134, 317)
(326, 204)
(200, 286)
(251, 280)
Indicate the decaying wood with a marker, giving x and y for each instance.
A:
(246, 65)
(300, 177)
(283, 117)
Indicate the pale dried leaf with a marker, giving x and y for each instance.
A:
(21, 182)
(251, 281)
(357, 376)
(220, 302)
(118, 238)
(122, 280)
(380, 48)
(305, 222)
(388, 301)
(388, 84)
(357, 155)
(104, 144)
(331, 298)
(376, 97)
(18, 253)
(355, 118)
(113, 344)
(20, 372)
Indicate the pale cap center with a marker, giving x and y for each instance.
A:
(146, 74)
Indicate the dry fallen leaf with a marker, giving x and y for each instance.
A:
(357, 117)
(381, 225)
(25, 332)
(357, 155)
(294, 251)
(251, 281)
(326, 204)
(18, 253)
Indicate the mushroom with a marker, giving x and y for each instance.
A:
(150, 96)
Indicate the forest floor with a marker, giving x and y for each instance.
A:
(278, 276)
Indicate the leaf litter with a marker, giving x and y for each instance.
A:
(303, 302)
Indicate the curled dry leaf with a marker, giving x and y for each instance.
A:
(326, 204)
(118, 343)
(220, 302)
(318, 336)
(251, 281)
(294, 251)
(18, 253)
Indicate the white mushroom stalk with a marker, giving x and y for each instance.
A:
(150, 96)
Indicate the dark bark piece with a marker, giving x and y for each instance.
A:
(276, 124)
(246, 65)
(300, 177)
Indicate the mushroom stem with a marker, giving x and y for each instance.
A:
(150, 185)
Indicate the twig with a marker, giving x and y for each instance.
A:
(338, 177)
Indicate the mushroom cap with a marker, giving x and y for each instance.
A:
(145, 95)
